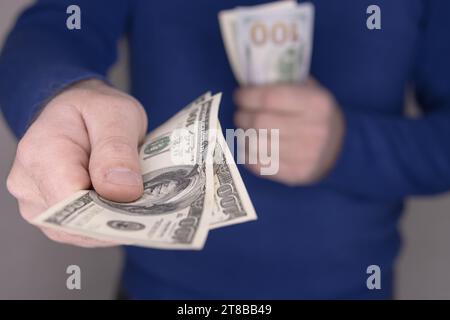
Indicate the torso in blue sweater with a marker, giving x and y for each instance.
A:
(309, 242)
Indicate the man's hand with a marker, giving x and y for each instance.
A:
(310, 124)
(88, 135)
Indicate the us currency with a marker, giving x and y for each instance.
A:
(175, 209)
(269, 43)
(191, 185)
(232, 204)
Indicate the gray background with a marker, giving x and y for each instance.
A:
(32, 267)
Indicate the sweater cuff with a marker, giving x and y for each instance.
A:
(37, 88)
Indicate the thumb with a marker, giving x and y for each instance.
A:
(115, 132)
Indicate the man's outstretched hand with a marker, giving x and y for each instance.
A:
(87, 136)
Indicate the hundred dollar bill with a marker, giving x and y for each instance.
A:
(232, 203)
(271, 43)
(175, 210)
(228, 26)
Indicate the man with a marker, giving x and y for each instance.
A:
(348, 156)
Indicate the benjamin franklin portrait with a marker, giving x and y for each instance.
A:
(165, 191)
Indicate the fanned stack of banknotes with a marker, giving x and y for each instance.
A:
(191, 182)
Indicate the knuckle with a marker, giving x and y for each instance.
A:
(110, 105)
(12, 186)
(260, 121)
(137, 105)
(141, 114)
(20, 187)
(122, 109)
(269, 99)
(116, 146)
(119, 103)
(321, 134)
(104, 105)
(25, 216)
(25, 213)
(26, 152)
(257, 122)
(323, 102)
(237, 119)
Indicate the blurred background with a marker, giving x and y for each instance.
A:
(32, 267)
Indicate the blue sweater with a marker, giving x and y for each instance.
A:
(309, 242)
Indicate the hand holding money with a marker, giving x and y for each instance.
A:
(310, 124)
(87, 135)
(187, 182)
(269, 48)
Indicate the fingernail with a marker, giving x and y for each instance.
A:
(123, 176)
